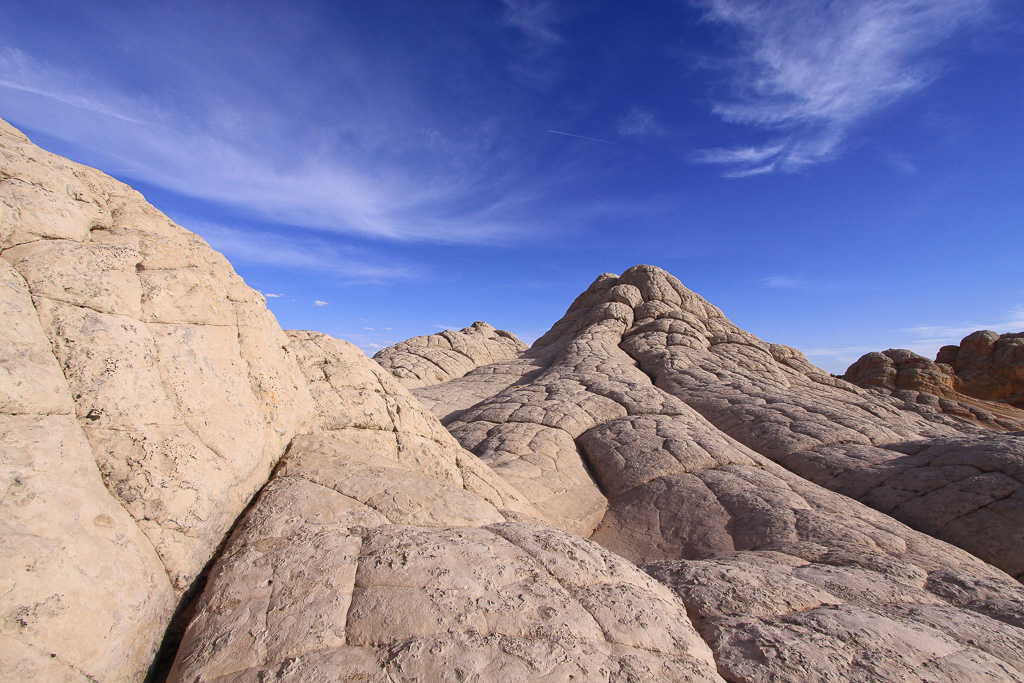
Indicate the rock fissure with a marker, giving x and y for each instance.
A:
(644, 420)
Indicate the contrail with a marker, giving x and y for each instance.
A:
(582, 137)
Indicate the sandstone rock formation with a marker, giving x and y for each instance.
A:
(649, 493)
(679, 413)
(147, 393)
(986, 366)
(897, 369)
(389, 560)
(423, 361)
(989, 366)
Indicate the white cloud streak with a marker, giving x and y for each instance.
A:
(640, 123)
(236, 155)
(782, 282)
(1013, 321)
(814, 69)
(290, 252)
(536, 19)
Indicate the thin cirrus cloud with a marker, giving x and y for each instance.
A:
(639, 123)
(922, 339)
(344, 180)
(282, 250)
(782, 282)
(1013, 321)
(807, 72)
(535, 18)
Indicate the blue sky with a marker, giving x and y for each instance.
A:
(837, 176)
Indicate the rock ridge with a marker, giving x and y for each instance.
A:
(986, 366)
(648, 493)
(436, 358)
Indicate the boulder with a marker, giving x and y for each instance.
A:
(368, 558)
(147, 394)
(436, 358)
(986, 366)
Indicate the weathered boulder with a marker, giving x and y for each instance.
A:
(902, 369)
(147, 393)
(402, 559)
(989, 366)
(678, 415)
(436, 358)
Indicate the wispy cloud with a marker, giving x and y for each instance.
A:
(640, 123)
(815, 69)
(1013, 321)
(269, 295)
(535, 18)
(782, 282)
(900, 163)
(318, 302)
(285, 250)
(532, 61)
(363, 172)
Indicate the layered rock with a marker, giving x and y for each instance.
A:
(989, 366)
(401, 559)
(436, 358)
(986, 366)
(148, 392)
(679, 415)
(897, 369)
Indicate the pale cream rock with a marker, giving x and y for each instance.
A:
(447, 355)
(678, 446)
(447, 601)
(363, 404)
(180, 377)
(83, 594)
(157, 376)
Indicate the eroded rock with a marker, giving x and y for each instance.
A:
(132, 339)
(447, 355)
(680, 416)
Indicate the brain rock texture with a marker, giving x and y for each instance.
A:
(648, 493)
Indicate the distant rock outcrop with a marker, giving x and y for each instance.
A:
(897, 369)
(649, 493)
(989, 366)
(447, 355)
(982, 380)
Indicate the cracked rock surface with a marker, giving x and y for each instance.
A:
(146, 394)
(437, 358)
(380, 550)
(649, 493)
(697, 438)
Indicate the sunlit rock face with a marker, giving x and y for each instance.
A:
(986, 366)
(447, 355)
(705, 452)
(648, 493)
(146, 394)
